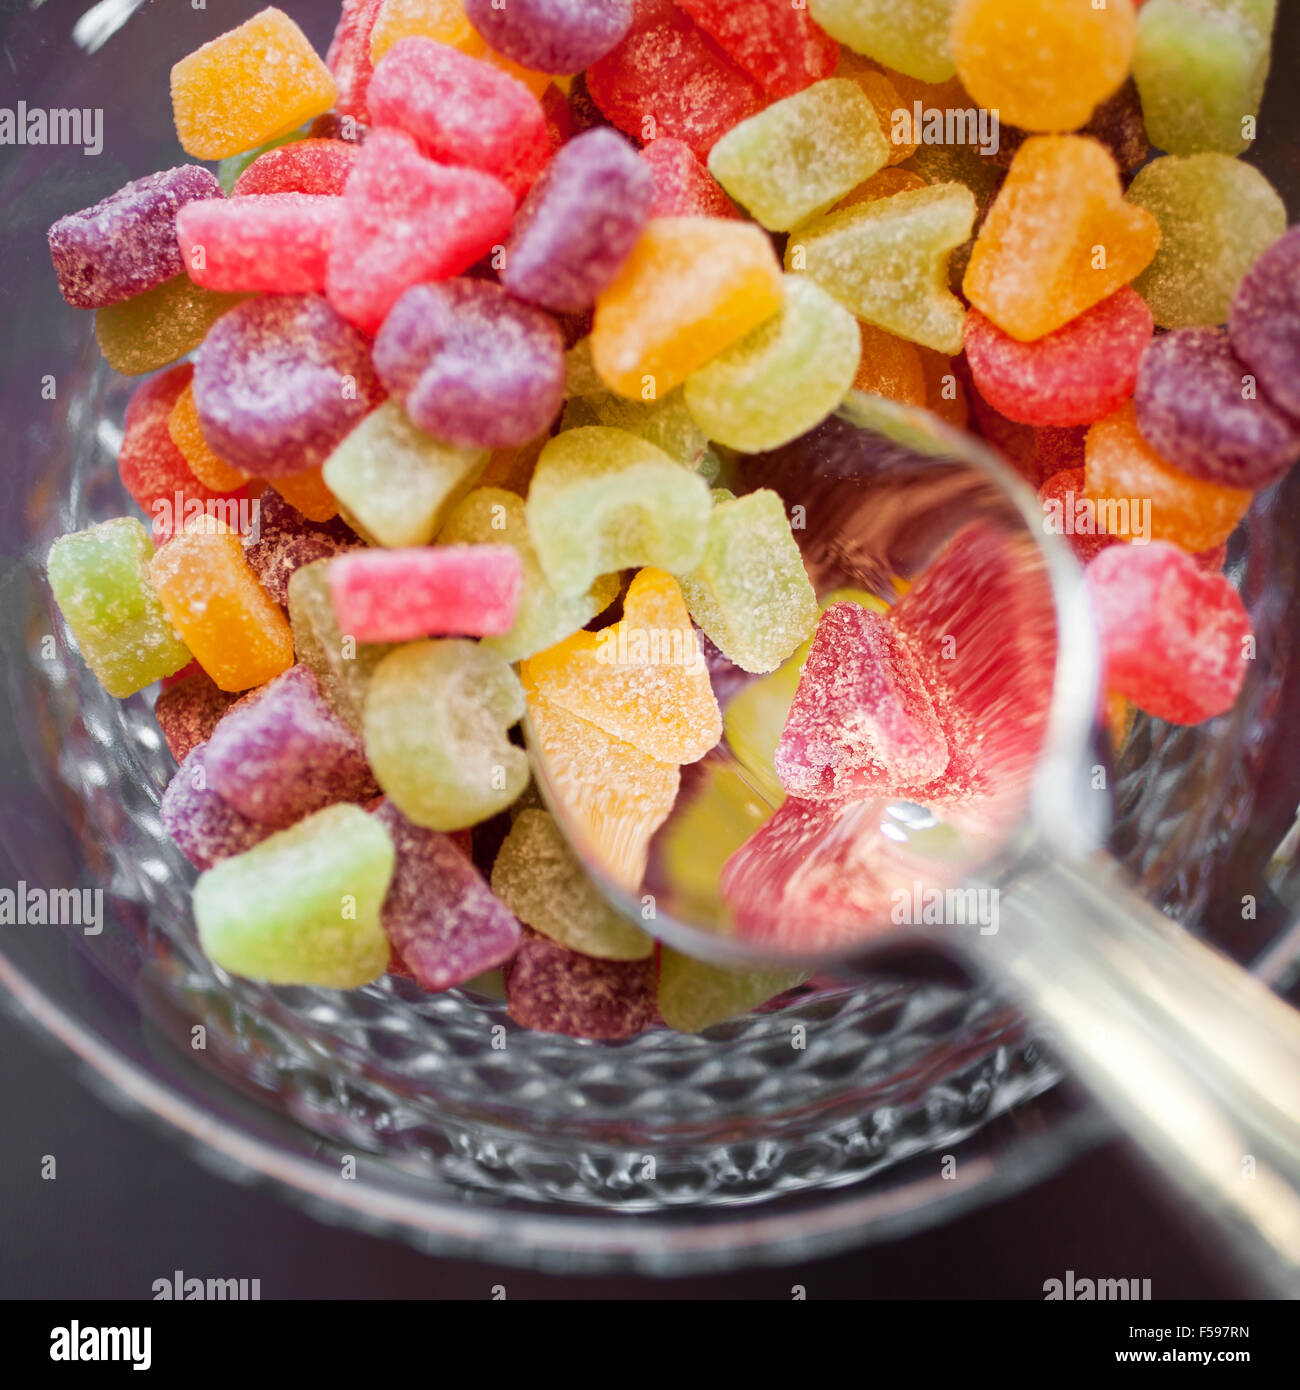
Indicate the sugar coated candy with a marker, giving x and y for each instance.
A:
(1068, 512)
(889, 366)
(461, 111)
(431, 591)
(644, 679)
(303, 907)
(279, 381)
(554, 990)
(886, 261)
(440, 917)
(491, 516)
(551, 35)
(579, 223)
(1175, 640)
(1043, 64)
(276, 242)
(691, 287)
(126, 244)
(683, 187)
(247, 86)
(205, 827)
(446, 22)
(902, 137)
(100, 580)
(603, 500)
(319, 167)
(694, 996)
(236, 632)
(912, 38)
(286, 540)
(1217, 215)
(781, 379)
(188, 709)
(1058, 239)
(1073, 376)
(407, 219)
(146, 332)
(667, 77)
(537, 877)
(187, 435)
(802, 154)
(1201, 410)
(863, 722)
(750, 593)
(472, 365)
(1201, 66)
(461, 768)
(395, 482)
(1265, 321)
(1124, 471)
(775, 42)
(306, 493)
(348, 56)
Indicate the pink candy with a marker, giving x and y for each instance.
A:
(683, 186)
(304, 166)
(435, 591)
(348, 57)
(555, 990)
(278, 242)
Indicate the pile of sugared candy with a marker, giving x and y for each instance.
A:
(476, 310)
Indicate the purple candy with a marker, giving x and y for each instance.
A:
(205, 827)
(287, 754)
(441, 918)
(579, 222)
(127, 243)
(187, 712)
(1265, 321)
(279, 381)
(1201, 410)
(554, 990)
(563, 36)
(474, 366)
(286, 541)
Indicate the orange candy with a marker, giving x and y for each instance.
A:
(881, 92)
(307, 492)
(1120, 466)
(248, 86)
(187, 434)
(236, 631)
(944, 393)
(1058, 239)
(890, 367)
(881, 185)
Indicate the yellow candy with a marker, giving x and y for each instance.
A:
(644, 679)
(884, 96)
(691, 287)
(248, 86)
(187, 435)
(1043, 64)
(444, 21)
(1058, 239)
(237, 633)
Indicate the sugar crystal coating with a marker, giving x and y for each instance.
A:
(275, 242)
(912, 38)
(316, 166)
(1067, 512)
(694, 996)
(1265, 321)
(775, 42)
(205, 827)
(554, 990)
(683, 186)
(286, 540)
(146, 332)
(551, 35)
(446, 22)
(348, 57)
(187, 712)
(187, 435)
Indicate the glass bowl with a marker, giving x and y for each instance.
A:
(813, 1125)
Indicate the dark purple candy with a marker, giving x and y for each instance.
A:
(554, 990)
(473, 366)
(287, 754)
(1201, 410)
(279, 381)
(563, 36)
(440, 917)
(1265, 321)
(286, 541)
(579, 222)
(205, 827)
(127, 243)
(187, 712)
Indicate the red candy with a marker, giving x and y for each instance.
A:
(683, 186)
(555, 990)
(1174, 637)
(1073, 376)
(305, 166)
(1037, 453)
(278, 242)
(1067, 512)
(667, 77)
(188, 709)
(405, 220)
(434, 591)
(348, 57)
(461, 111)
(775, 41)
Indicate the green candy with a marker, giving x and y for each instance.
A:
(783, 377)
(150, 330)
(397, 484)
(303, 907)
(1216, 216)
(750, 593)
(436, 728)
(342, 665)
(1200, 68)
(493, 516)
(887, 261)
(911, 37)
(100, 580)
(801, 155)
(539, 880)
(694, 996)
(603, 500)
